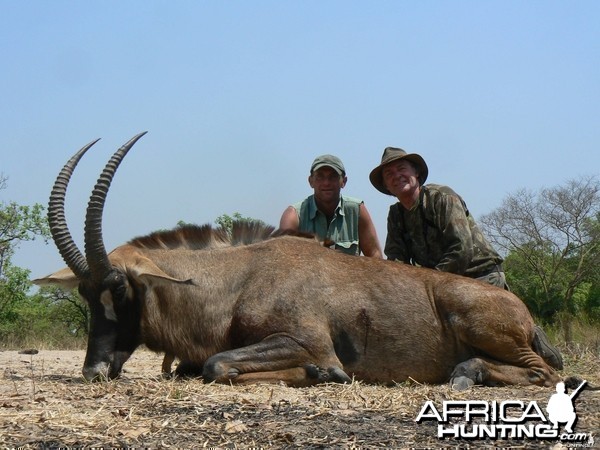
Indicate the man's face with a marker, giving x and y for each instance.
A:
(400, 178)
(327, 184)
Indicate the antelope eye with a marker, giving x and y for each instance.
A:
(119, 293)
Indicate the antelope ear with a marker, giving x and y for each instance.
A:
(64, 278)
(145, 270)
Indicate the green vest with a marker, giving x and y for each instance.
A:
(343, 228)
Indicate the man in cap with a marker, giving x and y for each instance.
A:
(431, 226)
(331, 216)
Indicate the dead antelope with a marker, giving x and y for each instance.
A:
(264, 308)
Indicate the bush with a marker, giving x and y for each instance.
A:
(49, 319)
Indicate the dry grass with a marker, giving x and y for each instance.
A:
(45, 403)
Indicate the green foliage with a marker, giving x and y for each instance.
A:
(24, 317)
(552, 242)
(13, 294)
(50, 318)
(17, 224)
(226, 221)
(65, 309)
(592, 306)
(547, 301)
(528, 286)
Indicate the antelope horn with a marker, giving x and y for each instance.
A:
(57, 221)
(94, 246)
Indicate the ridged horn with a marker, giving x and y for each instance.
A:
(57, 221)
(94, 245)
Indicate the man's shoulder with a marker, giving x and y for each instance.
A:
(439, 197)
(394, 209)
(346, 199)
(439, 190)
(306, 202)
(436, 195)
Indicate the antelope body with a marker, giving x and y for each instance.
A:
(262, 308)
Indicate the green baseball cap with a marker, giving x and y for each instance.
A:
(328, 161)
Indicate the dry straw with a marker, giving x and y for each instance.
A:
(45, 403)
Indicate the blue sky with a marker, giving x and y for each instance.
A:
(239, 97)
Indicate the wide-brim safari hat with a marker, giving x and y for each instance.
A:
(393, 154)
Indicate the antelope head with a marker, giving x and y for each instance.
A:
(105, 287)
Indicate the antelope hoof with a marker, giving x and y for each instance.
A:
(330, 375)
(461, 383)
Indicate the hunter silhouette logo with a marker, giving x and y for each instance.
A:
(560, 407)
(512, 419)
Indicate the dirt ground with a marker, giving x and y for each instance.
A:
(45, 403)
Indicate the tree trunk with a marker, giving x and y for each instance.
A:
(566, 321)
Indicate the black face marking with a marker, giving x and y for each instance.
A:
(114, 323)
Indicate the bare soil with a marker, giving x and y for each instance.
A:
(45, 403)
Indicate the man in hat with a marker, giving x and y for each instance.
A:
(331, 216)
(431, 226)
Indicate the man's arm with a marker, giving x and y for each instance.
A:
(367, 234)
(395, 249)
(289, 219)
(458, 242)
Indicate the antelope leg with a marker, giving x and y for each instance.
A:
(277, 358)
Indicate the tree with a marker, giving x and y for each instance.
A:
(66, 309)
(524, 282)
(555, 234)
(226, 221)
(18, 223)
(14, 285)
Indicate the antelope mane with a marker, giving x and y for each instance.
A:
(203, 237)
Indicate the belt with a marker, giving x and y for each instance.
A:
(483, 273)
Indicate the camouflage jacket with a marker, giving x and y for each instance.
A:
(439, 233)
